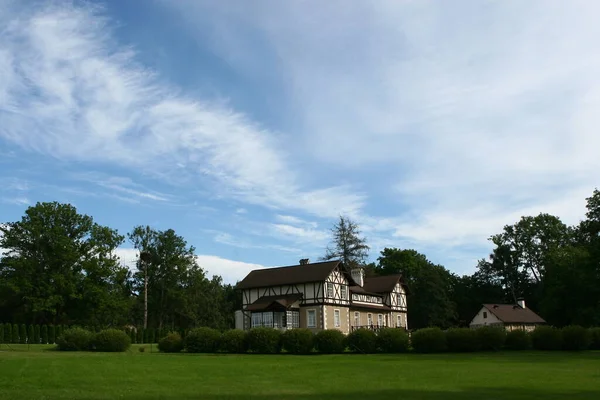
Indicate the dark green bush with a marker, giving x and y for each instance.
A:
(595, 338)
(462, 340)
(234, 341)
(151, 335)
(172, 343)
(30, 335)
(2, 333)
(202, 340)
(111, 340)
(16, 334)
(491, 338)
(44, 334)
(36, 334)
(264, 340)
(74, 339)
(330, 341)
(546, 338)
(298, 341)
(362, 341)
(429, 340)
(7, 333)
(140, 336)
(575, 338)
(51, 334)
(518, 340)
(392, 340)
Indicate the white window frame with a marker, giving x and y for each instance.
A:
(343, 292)
(337, 318)
(257, 320)
(329, 290)
(370, 319)
(308, 313)
(270, 320)
(356, 318)
(379, 319)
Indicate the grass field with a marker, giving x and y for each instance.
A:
(44, 374)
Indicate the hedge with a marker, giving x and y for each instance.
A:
(44, 334)
(16, 334)
(202, 340)
(140, 336)
(392, 340)
(429, 340)
(264, 340)
(595, 338)
(74, 339)
(111, 340)
(233, 341)
(362, 341)
(518, 340)
(462, 340)
(546, 338)
(51, 334)
(298, 341)
(171, 343)
(7, 333)
(2, 333)
(575, 338)
(491, 338)
(30, 335)
(330, 341)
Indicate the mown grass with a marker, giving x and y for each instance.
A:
(41, 373)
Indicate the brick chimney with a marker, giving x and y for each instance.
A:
(304, 261)
(358, 274)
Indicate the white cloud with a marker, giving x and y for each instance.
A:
(300, 234)
(231, 240)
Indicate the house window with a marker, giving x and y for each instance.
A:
(356, 318)
(370, 319)
(343, 292)
(295, 319)
(336, 318)
(330, 290)
(311, 318)
(256, 320)
(268, 319)
(380, 319)
(399, 321)
(485, 314)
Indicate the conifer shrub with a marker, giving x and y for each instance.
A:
(2, 333)
(491, 338)
(7, 333)
(462, 340)
(131, 334)
(30, 334)
(139, 335)
(264, 340)
(202, 340)
(518, 340)
(51, 334)
(234, 341)
(362, 341)
(74, 339)
(111, 340)
(392, 340)
(151, 335)
(16, 334)
(36, 334)
(330, 341)
(429, 340)
(44, 334)
(171, 343)
(298, 341)
(575, 338)
(546, 338)
(595, 338)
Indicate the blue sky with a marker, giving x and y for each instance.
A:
(248, 127)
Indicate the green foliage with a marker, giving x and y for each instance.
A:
(171, 343)
(151, 335)
(491, 338)
(7, 333)
(23, 334)
(518, 340)
(132, 335)
(111, 340)
(142, 349)
(139, 335)
(330, 341)
(2, 333)
(546, 338)
(30, 335)
(362, 341)
(202, 340)
(36, 334)
(298, 341)
(234, 341)
(347, 245)
(44, 334)
(392, 340)
(16, 334)
(461, 340)
(595, 338)
(264, 340)
(429, 340)
(51, 334)
(74, 339)
(575, 338)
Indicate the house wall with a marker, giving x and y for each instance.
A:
(481, 319)
(310, 292)
(330, 318)
(304, 317)
(525, 327)
(364, 317)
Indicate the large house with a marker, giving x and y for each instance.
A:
(323, 295)
(509, 316)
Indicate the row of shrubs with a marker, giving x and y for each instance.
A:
(32, 334)
(80, 339)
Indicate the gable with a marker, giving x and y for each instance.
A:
(290, 275)
(514, 314)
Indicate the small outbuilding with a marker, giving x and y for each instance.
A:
(509, 316)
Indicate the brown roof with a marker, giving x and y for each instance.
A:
(294, 274)
(513, 313)
(381, 284)
(265, 302)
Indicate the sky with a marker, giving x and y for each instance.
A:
(249, 127)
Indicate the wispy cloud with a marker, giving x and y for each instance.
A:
(231, 240)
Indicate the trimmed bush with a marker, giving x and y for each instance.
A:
(518, 340)
(16, 334)
(491, 338)
(429, 340)
(546, 338)
(202, 340)
(36, 334)
(44, 334)
(264, 340)
(362, 341)
(111, 340)
(7, 333)
(575, 338)
(392, 340)
(2, 333)
(172, 343)
(594, 336)
(74, 339)
(233, 341)
(298, 341)
(139, 336)
(330, 341)
(131, 334)
(51, 334)
(30, 338)
(462, 340)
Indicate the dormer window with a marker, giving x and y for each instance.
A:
(484, 314)
(330, 290)
(343, 292)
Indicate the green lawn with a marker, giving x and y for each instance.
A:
(43, 374)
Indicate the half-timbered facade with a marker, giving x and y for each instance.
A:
(318, 296)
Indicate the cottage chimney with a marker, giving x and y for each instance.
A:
(304, 261)
(358, 274)
(521, 302)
